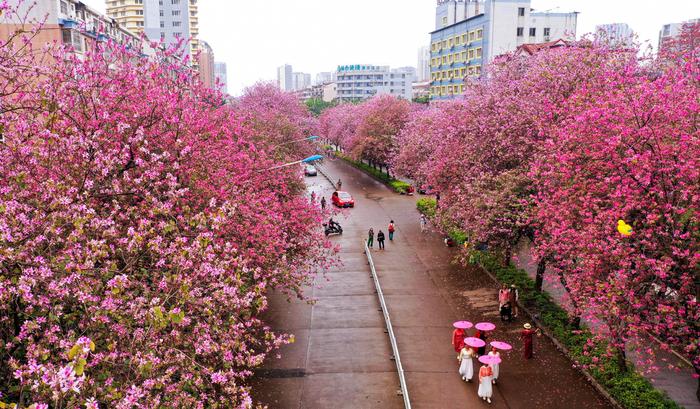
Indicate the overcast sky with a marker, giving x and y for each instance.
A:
(254, 37)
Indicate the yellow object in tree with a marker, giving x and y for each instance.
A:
(624, 228)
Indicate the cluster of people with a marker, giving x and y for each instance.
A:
(466, 354)
(380, 236)
(508, 302)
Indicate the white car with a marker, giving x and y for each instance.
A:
(310, 170)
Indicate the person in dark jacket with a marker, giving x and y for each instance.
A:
(370, 238)
(380, 239)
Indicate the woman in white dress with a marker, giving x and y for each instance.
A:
(466, 368)
(495, 367)
(485, 388)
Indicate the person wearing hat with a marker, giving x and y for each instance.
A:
(526, 335)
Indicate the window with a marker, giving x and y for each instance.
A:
(478, 52)
(444, 59)
(458, 40)
(64, 7)
(464, 56)
(472, 36)
(444, 43)
(162, 35)
(462, 72)
(444, 21)
(450, 59)
(521, 11)
(546, 31)
(72, 38)
(449, 89)
(177, 23)
(139, 12)
(138, 1)
(450, 43)
(162, 14)
(471, 54)
(176, 12)
(174, 1)
(520, 31)
(433, 47)
(533, 31)
(456, 74)
(477, 70)
(479, 34)
(162, 24)
(139, 23)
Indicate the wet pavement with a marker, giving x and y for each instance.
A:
(341, 357)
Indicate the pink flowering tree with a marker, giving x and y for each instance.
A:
(631, 152)
(382, 118)
(338, 124)
(138, 240)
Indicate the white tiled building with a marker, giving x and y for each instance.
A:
(360, 82)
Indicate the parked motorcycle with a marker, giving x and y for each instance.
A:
(332, 228)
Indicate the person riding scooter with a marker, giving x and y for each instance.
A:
(332, 227)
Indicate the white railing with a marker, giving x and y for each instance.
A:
(390, 329)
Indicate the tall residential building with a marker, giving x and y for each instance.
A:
(205, 62)
(167, 20)
(359, 82)
(221, 76)
(423, 66)
(672, 30)
(471, 33)
(324, 77)
(284, 78)
(69, 22)
(300, 81)
(616, 34)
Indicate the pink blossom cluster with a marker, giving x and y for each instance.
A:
(138, 237)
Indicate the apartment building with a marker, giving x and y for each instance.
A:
(221, 76)
(171, 21)
(359, 82)
(471, 33)
(615, 34)
(70, 22)
(672, 30)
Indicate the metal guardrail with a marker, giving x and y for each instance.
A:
(390, 329)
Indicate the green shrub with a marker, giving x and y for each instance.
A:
(427, 206)
(396, 185)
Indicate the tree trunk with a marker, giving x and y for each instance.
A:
(539, 277)
(507, 256)
(621, 359)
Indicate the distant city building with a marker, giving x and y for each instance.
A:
(360, 82)
(672, 30)
(324, 77)
(616, 34)
(169, 21)
(421, 89)
(221, 76)
(423, 65)
(205, 61)
(72, 23)
(330, 92)
(471, 33)
(284, 78)
(300, 81)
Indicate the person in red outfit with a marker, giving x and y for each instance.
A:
(458, 339)
(526, 335)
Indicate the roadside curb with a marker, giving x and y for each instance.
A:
(325, 175)
(600, 388)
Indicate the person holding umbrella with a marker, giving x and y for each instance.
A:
(466, 366)
(485, 377)
(494, 355)
(482, 328)
(495, 367)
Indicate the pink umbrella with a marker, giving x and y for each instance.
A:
(489, 359)
(501, 345)
(463, 324)
(474, 342)
(485, 326)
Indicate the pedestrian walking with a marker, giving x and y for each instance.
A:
(514, 296)
(458, 339)
(313, 197)
(423, 223)
(527, 336)
(485, 387)
(340, 185)
(482, 336)
(391, 229)
(495, 367)
(380, 239)
(466, 366)
(323, 203)
(370, 238)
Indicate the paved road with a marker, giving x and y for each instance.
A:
(341, 344)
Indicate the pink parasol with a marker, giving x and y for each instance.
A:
(485, 326)
(501, 345)
(474, 342)
(489, 359)
(463, 324)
